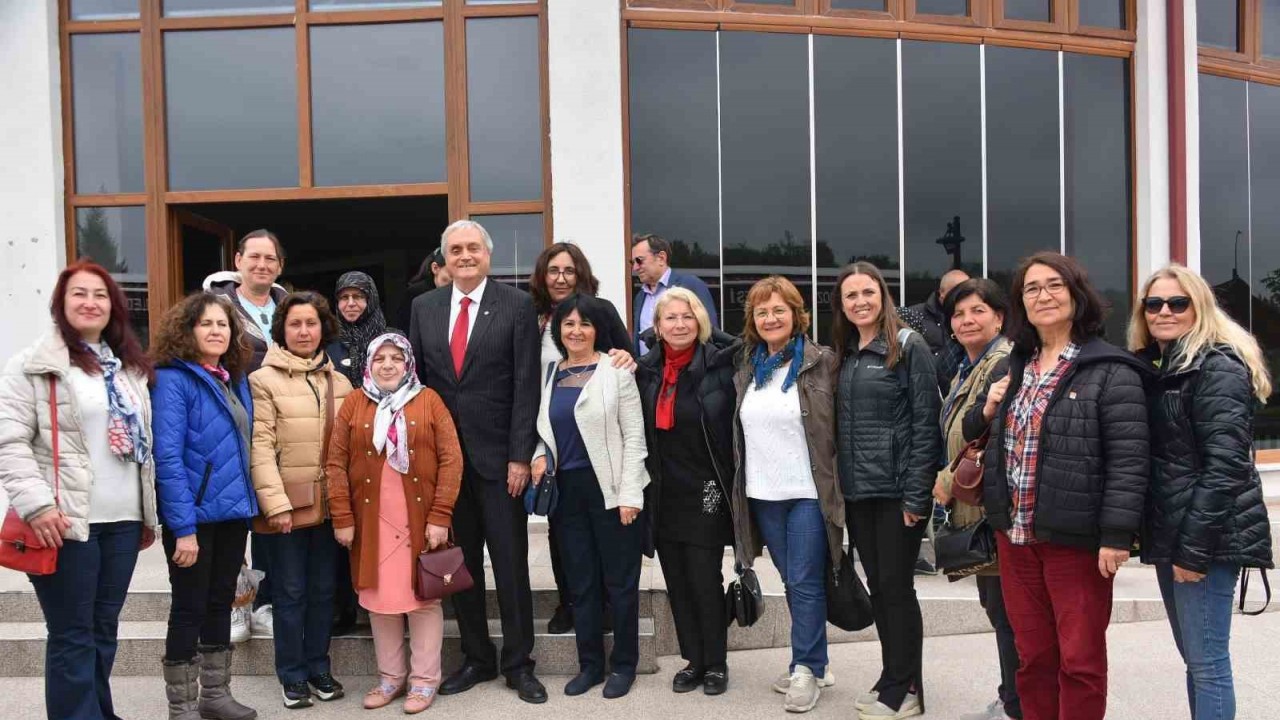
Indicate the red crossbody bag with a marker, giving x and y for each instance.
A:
(19, 547)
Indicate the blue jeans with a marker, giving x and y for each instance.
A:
(1200, 615)
(796, 536)
(302, 562)
(81, 603)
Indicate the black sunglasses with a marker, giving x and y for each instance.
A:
(1178, 304)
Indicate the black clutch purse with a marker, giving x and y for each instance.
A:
(541, 499)
(961, 552)
(848, 604)
(743, 600)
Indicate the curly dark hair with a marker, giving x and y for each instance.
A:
(328, 323)
(177, 340)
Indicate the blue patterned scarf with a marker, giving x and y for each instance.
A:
(124, 428)
(764, 364)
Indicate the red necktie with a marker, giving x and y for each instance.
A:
(458, 341)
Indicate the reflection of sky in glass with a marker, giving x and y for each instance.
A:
(942, 7)
(104, 9)
(106, 72)
(858, 5)
(371, 4)
(517, 241)
(1216, 23)
(1224, 189)
(191, 8)
(1033, 10)
(1270, 27)
(504, 109)
(1103, 13)
(1264, 138)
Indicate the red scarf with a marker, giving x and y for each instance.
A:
(675, 361)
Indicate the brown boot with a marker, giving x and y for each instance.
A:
(216, 702)
(181, 689)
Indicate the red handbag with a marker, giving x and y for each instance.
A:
(441, 573)
(20, 549)
(966, 472)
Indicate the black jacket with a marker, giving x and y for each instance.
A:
(1205, 502)
(928, 319)
(889, 437)
(712, 369)
(1094, 457)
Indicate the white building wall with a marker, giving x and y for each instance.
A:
(1151, 140)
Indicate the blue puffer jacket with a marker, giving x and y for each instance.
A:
(202, 461)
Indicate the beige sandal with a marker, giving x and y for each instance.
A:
(381, 695)
(419, 699)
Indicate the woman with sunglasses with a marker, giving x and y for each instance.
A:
(1205, 516)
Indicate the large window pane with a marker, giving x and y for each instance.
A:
(106, 82)
(192, 8)
(1099, 224)
(378, 112)
(1217, 23)
(224, 131)
(1034, 10)
(942, 7)
(1224, 193)
(517, 242)
(942, 155)
(504, 109)
(1270, 21)
(674, 166)
(116, 238)
(371, 4)
(1023, 198)
(1264, 138)
(1102, 13)
(764, 130)
(855, 86)
(104, 9)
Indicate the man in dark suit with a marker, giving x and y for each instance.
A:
(651, 263)
(477, 346)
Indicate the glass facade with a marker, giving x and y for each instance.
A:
(106, 77)
(503, 109)
(116, 238)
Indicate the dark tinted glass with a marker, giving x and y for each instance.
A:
(116, 238)
(1023, 198)
(1217, 23)
(371, 4)
(1035, 10)
(1264, 138)
(674, 166)
(106, 85)
(942, 7)
(1099, 228)
(942, 146)
(378, 103)
(188, 8)
(855, 87)
(858, 5)
(1224, 193)
(225, 132)
(504, 109)
(104, 9)
(764, 131)
(1270, 21)
(785, 3)
(1102, 13)
(517, 241)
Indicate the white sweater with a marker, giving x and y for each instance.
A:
(777, 454)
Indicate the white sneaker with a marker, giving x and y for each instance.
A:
(263, 622)
(241, 619)
(879, 711)
(866, 700)
(803, 692)
(784, 681)
(994, 711)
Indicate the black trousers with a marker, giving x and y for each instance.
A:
(345, 599)
(695, 589)
(200, 612)
(992, 599)
(601, 557)
(486, 514)
(888, 550)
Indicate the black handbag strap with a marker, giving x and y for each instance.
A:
(1244, 590)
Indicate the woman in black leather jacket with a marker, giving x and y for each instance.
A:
(1205, 516)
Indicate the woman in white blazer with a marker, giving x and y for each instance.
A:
(591, 428)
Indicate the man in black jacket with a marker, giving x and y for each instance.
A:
(928, 319)
(476, 343)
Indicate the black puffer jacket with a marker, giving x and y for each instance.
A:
(1094, 461)
(712, 369)
(1205, 503)
(889, 437)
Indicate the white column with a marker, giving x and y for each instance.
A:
(1151, 139)
(1191, 73)
(584, 41)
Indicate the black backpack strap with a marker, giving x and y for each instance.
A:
(1244, 590)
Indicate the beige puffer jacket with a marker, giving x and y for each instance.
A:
(288, 427)
(26, 439)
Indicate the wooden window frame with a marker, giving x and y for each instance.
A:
(1267, 457)
(1058, 14)
(1128, 32)
(892, 11)
(798, 7)
(978, 15)
(1248, 63)
(1247, 35)
(161, 204)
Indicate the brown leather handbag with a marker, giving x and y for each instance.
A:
(307, 500)
(441, 573)
(966, 471)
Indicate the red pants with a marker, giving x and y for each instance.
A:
(1059, 606)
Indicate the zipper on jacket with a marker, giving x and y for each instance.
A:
(204, 482)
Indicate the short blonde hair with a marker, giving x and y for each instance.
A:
(687, 297)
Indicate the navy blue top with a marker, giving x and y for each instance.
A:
(571, 454)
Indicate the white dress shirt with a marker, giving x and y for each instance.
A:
(455, 308)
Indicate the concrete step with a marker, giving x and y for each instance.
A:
(141, 645)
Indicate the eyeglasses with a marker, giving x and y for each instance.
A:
(1054, 287)
(566, 273)
(778, 313)
(1178, 304)
(638, 260)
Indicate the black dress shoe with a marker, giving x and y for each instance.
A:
(561, 620)
(465, 678)
(527, 687)
(583, 682)
(715, 681)
(687, 680)
(618, 685)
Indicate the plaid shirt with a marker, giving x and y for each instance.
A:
(1022, 439)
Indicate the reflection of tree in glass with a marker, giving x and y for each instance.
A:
(784, 252)
(96, 242)
(1272, 283)
(684, 255)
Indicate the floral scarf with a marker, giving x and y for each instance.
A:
(124, 425)
(389, 433)
(764, 364)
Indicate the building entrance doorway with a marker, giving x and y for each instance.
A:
(388, 238)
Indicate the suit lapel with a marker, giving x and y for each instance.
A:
(488, 308)
(437, 328)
